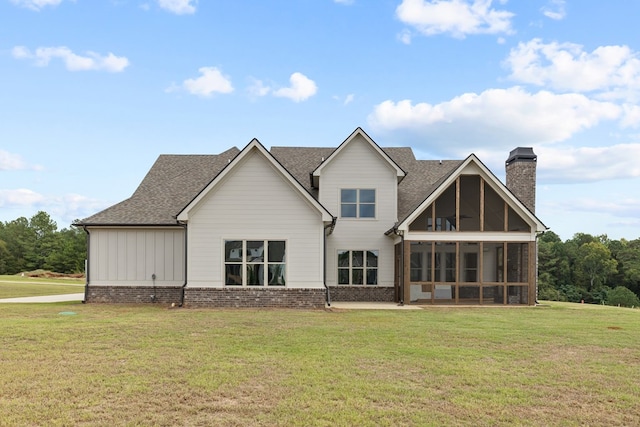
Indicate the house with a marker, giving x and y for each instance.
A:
(300, 226)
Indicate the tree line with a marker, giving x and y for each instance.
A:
(590, 269)
(36, 243)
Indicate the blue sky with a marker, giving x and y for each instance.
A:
(94, 90)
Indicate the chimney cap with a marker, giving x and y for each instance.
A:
(522, 154)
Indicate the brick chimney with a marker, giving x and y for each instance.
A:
(521, 175)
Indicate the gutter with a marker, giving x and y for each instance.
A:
(86, 266)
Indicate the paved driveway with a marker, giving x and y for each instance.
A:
(46, 298)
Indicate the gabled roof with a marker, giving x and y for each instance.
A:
(255, 146)
(170, 184)
(455, 169)
(358, 132)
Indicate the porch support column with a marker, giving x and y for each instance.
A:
(532, 279)
(406, 271)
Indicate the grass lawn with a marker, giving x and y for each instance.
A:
(563, 364)
(18, 286)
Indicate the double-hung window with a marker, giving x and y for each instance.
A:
(358, 203)
(357, 267)
(255, 262)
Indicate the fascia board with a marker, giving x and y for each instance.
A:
(495, 183)
(400, 173)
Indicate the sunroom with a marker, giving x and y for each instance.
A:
(470, 243)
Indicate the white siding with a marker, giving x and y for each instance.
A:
(358, 165)
(129, 257)
(255, 201)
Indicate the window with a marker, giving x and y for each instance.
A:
(357, 203)
(255, 262)
(357, 267)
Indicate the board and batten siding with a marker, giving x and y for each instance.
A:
(254, 201)
(359, 166)
(126, 257)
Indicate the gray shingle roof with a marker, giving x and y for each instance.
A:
(174, 180)
(422, 178)
(171, 183)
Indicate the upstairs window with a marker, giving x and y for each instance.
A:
(357, 203)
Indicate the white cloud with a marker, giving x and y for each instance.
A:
(349, 99)
(587, 164)
(19, 197)
(494, 118)
(346, 2)
(211, 81)
(68, 207)
(301, 88)
(72, 61)
(9, 161)
(257, 88)
(179, 7)
(456, 17)
(36, 4)
(555, 10)
(405, 36)
(613, 71)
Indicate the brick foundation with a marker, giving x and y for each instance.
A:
(246, 297)
(133, 294)
(362, 293)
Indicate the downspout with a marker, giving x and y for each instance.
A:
(395, 231)
(401, 266)
(86, 266)
(184, 285)
(324, 259)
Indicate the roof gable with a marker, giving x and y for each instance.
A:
(475, 166)
(400, 173)
(254, 146)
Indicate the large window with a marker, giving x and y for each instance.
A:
(357, 203)
(255, 262)
(357, 267)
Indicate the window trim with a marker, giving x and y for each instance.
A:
(244, 263)
(358, 203)
(365, 268)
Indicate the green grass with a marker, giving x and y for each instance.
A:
(565, 364)
(18, 286)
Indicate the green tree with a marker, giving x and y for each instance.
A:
(17, 237)
(69, 252)
(623, 297)
(594, 264)
(43, 242)
(627, 253)
(554, 262)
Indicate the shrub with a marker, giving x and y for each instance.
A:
(623, 297)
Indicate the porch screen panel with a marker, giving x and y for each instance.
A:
(445, 206)
(517, 262)
(493, 210)
(469, 203)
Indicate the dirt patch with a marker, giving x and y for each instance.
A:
(50, 274)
